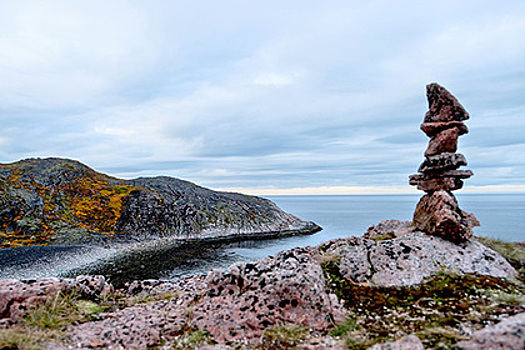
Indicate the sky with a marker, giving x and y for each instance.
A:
(263, 97)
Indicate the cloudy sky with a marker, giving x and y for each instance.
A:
(262, 96)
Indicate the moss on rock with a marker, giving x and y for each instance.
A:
(436, 310)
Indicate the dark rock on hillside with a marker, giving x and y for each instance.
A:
(61, 201)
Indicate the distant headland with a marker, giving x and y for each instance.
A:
(55, 201)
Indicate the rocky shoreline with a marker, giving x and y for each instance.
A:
(122, 262)
(147, 260)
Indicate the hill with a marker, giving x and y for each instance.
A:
(56, 201)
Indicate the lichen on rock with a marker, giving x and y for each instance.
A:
(64, 202)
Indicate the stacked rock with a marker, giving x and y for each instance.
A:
(438, 212)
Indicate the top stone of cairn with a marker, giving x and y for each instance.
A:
(442, 106)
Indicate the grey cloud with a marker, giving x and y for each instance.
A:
(282, 94)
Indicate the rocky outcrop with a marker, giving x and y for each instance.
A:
(145, 324)
(236, 304)
(61, 201)
(17, 298)
(249, 297)
(438, 212)
(411, 258)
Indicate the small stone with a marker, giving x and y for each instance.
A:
(433, 128)
(461, 174)
(442, 106)
(443, 142)
(442, 162)
(410, 342)
(438, 184)
(393, 228)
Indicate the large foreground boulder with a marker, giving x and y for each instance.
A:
(246, 299)
(412, 257)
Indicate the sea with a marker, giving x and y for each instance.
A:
(502, 216)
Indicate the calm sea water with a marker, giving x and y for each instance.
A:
(501, 216)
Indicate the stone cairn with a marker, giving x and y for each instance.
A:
(438, 212)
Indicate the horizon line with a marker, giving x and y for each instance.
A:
(366, 190)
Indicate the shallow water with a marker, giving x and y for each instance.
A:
(47, 261)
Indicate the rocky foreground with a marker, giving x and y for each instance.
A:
(395, 285)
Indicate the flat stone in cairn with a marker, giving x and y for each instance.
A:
(438, 212)
(442, 162)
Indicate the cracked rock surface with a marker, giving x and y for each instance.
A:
(412, 257)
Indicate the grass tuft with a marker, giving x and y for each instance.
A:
(513, 252)
(47, 322)
(27, 339)
(63, 310)
(284, 337)
(193, 339)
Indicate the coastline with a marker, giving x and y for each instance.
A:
(123, 262)
(149, 260)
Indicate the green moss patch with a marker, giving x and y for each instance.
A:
(433, 310)
(284, 337)
(193, 339)
(47, 322)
